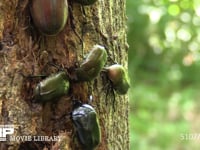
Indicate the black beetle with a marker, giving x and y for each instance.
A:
(52, 87)
(86, 123)
(49, 16)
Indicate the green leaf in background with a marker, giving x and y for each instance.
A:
(164, 68)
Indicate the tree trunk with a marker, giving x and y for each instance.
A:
(25, 51)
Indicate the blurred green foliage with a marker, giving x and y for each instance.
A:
(164, 69)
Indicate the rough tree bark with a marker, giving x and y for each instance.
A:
(23, 50)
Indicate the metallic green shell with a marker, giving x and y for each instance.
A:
(119, 77)
(93, 64)
(52, 87)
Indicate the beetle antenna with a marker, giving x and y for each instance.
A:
(32, 76)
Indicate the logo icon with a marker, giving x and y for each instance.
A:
(6, 130)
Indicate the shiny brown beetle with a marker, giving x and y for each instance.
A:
(49, 16)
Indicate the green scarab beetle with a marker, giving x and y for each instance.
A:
(119, 78)
(86, 123)
(93, 64)
(49, 16)
(51, 88)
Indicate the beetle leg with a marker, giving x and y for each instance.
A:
(32, 76)
(56, 66)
